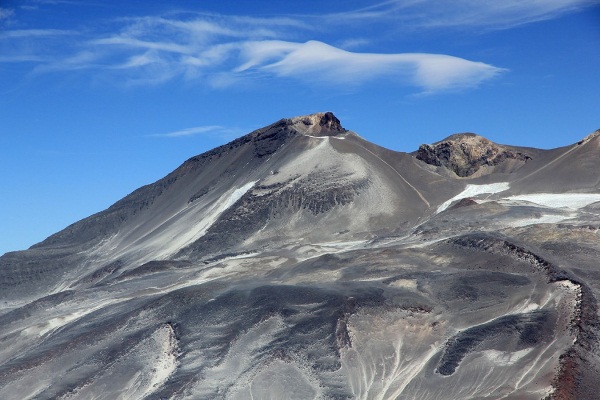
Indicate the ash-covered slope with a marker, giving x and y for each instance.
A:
(301, 261)
(303, 179)
(568, 169)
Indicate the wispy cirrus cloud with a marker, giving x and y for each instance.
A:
(135, 43)
(38, 46)
(213, 130)
(6, 13)
(439, 14)
(32, 33)
(502, 14)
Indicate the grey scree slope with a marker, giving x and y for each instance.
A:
(301, 261)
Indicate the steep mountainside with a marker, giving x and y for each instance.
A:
(301, 261)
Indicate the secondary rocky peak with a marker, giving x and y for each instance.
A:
(318, 124)
(466, 153)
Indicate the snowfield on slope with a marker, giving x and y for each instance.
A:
(190, 234)
(475, 190)
(558, 200)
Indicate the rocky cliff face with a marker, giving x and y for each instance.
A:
(464, 154)
(319, 124)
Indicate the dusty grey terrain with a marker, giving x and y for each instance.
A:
(302, 262)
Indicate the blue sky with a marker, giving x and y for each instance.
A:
(97, 100)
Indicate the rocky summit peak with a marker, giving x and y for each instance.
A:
(318, 124)
(465, 137)
(466, 153)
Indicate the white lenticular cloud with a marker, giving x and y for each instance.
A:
(319, 61)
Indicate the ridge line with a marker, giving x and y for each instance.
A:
(399, 174)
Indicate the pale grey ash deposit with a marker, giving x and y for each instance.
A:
(302, 262)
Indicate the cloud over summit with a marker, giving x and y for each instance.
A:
(318, 61)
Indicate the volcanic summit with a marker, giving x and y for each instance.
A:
(301, 261)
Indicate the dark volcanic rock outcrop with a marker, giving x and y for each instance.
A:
(464, 154)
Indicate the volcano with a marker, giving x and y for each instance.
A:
(303, 262)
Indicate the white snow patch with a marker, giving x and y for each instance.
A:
(475, 190)
(183, 238)
(505, 357)
(343, 245)
(411, 284)
(45, 327)
(527, 306)
(179, 230)
(558, 200)
(240, 256)
(317, 137)
(326, 137)
(52, 324)
(237, 194)
(543, 219)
